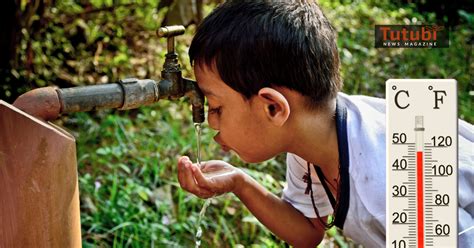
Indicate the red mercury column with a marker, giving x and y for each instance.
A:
(419, 180)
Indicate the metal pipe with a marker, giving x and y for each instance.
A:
(42, 103)
(48, 103)
(129, 93)
(87, 98)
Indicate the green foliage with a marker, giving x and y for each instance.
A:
(127, 161)
(365, 68)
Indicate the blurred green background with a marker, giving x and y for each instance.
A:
(127, 160)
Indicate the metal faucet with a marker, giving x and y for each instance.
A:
(172, 85)
(48, 103)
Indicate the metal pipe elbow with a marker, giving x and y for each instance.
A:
(42, 103)
(196, 98)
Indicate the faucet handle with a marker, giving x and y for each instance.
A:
(170, 32)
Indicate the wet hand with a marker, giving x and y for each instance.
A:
(212, 178)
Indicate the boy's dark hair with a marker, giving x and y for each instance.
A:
(256, 44)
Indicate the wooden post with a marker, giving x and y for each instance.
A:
(39, 195)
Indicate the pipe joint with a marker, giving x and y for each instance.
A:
(138, 92)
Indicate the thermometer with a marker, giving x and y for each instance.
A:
(421, 163)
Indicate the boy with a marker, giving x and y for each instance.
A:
(270, 72)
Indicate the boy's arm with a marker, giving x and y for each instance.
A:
(276, 214)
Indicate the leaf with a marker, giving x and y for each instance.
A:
(124, 167)
(469, 17)
(143, 195)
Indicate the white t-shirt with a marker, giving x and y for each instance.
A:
(365, 221)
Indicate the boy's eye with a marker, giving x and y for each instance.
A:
(215, 110)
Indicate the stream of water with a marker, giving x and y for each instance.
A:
(198, 236)
(197, 127)
(199, 228)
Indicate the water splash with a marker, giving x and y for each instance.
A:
(199, 228)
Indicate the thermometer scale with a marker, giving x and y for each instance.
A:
(421, 163)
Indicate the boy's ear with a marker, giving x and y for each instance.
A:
(276, 105)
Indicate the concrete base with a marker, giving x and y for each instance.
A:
(39, 195)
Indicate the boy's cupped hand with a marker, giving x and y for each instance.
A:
(211, 178)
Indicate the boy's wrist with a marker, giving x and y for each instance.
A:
(241, 182)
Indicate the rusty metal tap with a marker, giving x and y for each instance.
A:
(173, 85)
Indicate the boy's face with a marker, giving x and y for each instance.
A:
(242, 124)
